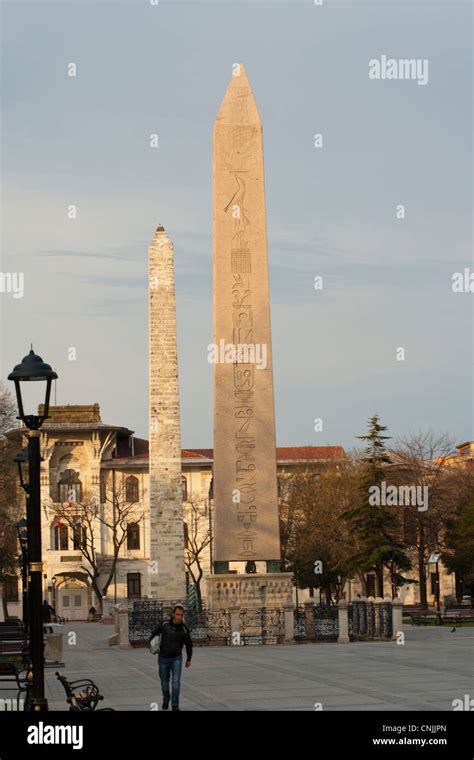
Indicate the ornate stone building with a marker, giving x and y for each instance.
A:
(96, 476)
(106, 468)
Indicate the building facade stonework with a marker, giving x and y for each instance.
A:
(92, 459)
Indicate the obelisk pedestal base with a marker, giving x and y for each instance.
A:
(250, 590)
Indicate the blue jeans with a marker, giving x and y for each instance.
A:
(170, 666)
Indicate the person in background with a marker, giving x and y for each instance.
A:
(46, 611)
(174, 635)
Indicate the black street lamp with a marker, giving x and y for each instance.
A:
(392, 570)
(53, 583)
(33, 369)
(21, 460)
(22, 532)
(434, 559)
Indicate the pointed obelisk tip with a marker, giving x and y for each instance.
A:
(238, 107)
(239, 74)
(160, 228)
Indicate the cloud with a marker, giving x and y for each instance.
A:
(81, 254)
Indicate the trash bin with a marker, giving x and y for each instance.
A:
(53, 642)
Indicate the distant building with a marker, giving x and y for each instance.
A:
(86, 459)
(464, 455)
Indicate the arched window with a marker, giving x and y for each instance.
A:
(185, 488)
(133, 536)
(79, 536)
(69, 487)
(60, 536)
(131, 488)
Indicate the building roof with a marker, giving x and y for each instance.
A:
(72, 413)
(284, 454)
(292, 453)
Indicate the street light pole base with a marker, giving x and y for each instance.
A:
(38, 705)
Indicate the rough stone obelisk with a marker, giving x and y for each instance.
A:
(245, 478)
(167, 571)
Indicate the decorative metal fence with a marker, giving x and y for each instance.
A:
(262, 625)
(299, 623)
(371, 621)
(367, 621)
(206, 627)
(210, 627)
(387, 621)
(325, 622)
(318, 622)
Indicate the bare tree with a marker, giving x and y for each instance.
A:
(421, 460)
(8, 410)
(316, 543)
(85, 518)
(11, 502)
(197, 537)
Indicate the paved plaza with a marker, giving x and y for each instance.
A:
(434, 667)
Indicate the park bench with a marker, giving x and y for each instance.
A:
(467, 614)
(11, 634)
(457, 616)
(452, 617)
(82, 694)
(420, 618)
(7, 628)
(13, 679)
(13, 642)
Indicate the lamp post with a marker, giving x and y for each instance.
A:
(33, 369)
(433, 559)
(21, 460)
(392, 570)
(21, 529)
(53, 583)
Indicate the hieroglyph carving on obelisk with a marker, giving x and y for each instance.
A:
(167, 571)
(245, 479)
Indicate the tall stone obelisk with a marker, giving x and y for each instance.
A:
(245, 477)
(167, 571)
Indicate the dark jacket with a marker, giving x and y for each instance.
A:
(46, 611)
(173, 638)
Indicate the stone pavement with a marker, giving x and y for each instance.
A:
(434, 667)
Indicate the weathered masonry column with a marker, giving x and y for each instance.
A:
(167, 571)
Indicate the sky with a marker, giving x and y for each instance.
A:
(143, 69)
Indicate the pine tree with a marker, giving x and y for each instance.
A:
(375, 526)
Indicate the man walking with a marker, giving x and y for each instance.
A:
(47, 611)
(174, 635)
